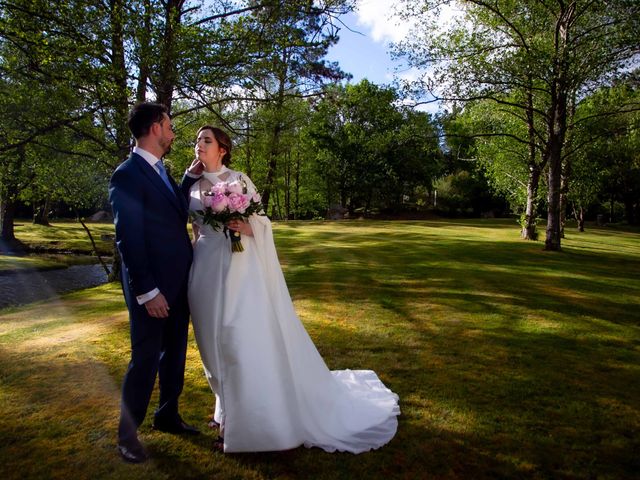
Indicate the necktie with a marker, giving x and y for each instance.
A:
(163, 175)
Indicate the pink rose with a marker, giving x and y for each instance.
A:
(220, 187)
(235, 187)
(219, 202)
(238, 202)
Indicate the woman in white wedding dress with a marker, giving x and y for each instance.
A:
(273, 390)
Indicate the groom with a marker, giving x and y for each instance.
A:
(150, 216)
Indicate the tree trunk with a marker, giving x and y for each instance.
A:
(529, 225)
(564, 185)
(552, 241)
(557, 127)
(121, 100)
(367, 203)
(145, 53)
(278, 126)
(529, 230)
(580, 219)
(567, 167)
(271, 165)
(276, 212)
(296, 213)
(287, 188)
(116, 266)
(93, 244)
(345, 199)
(9, 198)
(119, 73)
(41, 213)
(7, 214)
(611, 208)
(167, 76)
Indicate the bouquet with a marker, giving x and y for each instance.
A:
(229, 201)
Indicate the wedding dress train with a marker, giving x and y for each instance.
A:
(273, 389)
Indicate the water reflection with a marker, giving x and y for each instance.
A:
(26, 286)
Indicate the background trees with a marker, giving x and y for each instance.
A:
(535, 61)
(75, 67)
(372, 152)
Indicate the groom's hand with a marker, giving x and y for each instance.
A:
(196, 167)
(158, 307)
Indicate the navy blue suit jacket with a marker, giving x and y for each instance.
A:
(151, 231)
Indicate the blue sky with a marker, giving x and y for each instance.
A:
(360, 54)
(366, 54)
(363, 49)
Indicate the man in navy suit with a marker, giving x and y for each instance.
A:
(150, 216)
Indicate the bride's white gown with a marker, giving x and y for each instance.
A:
(273, 389)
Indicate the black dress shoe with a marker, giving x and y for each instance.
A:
(132, 451)
(179, 427)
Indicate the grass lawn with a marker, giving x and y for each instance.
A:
(510, 362)
(64, 236)
(67, 236)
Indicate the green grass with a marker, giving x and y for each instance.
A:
(65, 236)
(52, 241)
(510, 362)
(11, 263)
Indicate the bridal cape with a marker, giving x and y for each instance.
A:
(273, 389)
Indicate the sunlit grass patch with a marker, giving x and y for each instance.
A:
(12, 263)
(66, 236)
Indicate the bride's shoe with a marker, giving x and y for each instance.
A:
(212, 424)
(218, 445)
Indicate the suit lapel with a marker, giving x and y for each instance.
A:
(153, 176)
(179, 194)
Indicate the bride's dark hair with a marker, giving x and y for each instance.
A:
(223, 140)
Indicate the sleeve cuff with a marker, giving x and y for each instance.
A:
(144, 298)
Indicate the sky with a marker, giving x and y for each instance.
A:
(365, 54)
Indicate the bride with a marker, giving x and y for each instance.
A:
(273, 390)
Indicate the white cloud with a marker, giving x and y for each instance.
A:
(379, 17)
(410, 75)
(384, 25)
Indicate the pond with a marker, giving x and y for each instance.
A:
(26, 286)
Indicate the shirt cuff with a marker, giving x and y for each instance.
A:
(144, 298)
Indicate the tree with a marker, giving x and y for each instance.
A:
(507, 154)
(59, 80)
(609, 164)
(372, 152)
(69, 68)
(254, 152)
(532, 58)
(292, 39)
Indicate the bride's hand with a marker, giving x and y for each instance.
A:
(240, 226)
(196, 167)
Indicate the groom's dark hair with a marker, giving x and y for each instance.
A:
(143, 115)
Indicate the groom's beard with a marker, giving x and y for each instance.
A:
(166, 145)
